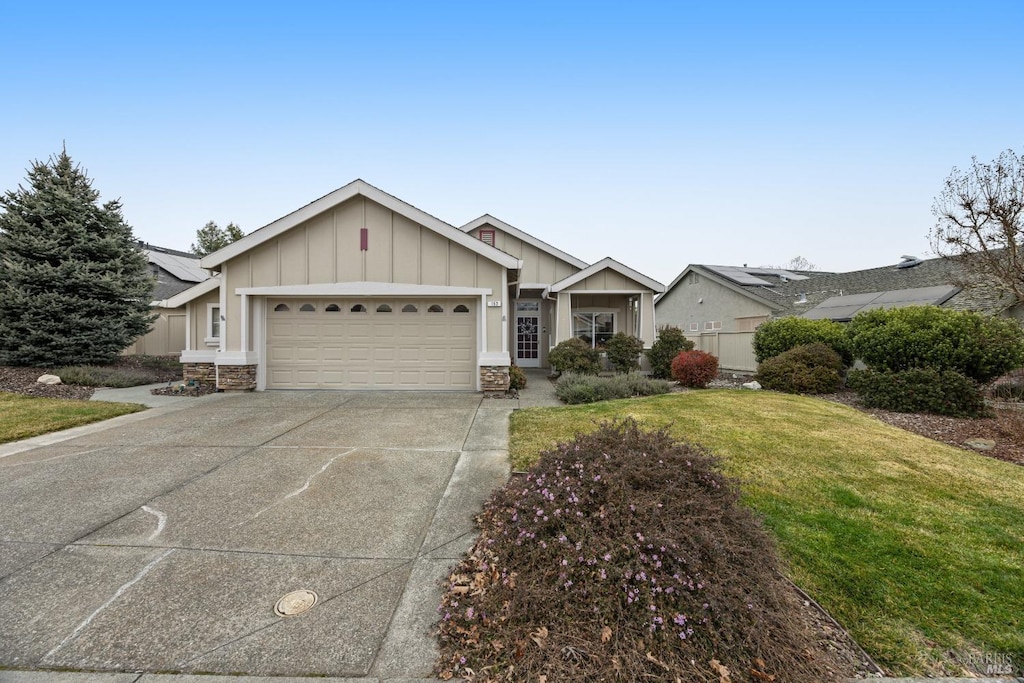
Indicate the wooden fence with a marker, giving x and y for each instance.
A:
(735, 350)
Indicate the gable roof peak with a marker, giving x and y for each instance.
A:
(488, 219)
(357, 187)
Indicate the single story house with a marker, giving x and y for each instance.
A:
(360, 289)
(173, 272)
(706, 298)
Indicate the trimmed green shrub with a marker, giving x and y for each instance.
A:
(575, 355)
(782, 334)
(694, 369)
(977, 346)
(574, 389)
(670, 342)
(623, 352)
(516, 378)
(919, 390)
(806, 369)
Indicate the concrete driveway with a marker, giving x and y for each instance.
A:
(162, 544)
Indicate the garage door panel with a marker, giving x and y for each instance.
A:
(409, 355)
(332, 349)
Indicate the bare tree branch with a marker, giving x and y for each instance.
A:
(980, 223)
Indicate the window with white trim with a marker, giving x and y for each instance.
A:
(213, 320)
(594, 328)
(713, 325)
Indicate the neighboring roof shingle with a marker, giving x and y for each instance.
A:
(797, 296)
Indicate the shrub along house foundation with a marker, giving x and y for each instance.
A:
(360, 290)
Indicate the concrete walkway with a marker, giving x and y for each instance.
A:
(140, 394)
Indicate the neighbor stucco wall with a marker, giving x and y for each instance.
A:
(326, 249)
(680, 306)
(539, 267)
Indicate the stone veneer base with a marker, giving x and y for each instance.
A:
(236, 377)
(494, 378)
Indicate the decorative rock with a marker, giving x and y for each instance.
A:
(980, 444)
(48, 379)
(752, 385)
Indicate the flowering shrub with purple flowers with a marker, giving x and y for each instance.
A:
(624, 555)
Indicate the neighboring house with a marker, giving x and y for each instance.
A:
(173, 272)
(361, 290)
(722, 301)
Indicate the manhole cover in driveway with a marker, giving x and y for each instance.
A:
(295, 603)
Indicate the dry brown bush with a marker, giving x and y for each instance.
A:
(623, 555)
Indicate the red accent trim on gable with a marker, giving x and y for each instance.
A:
(364, 239)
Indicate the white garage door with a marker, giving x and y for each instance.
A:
(371, 344)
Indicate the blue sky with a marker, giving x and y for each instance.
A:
(660, 134)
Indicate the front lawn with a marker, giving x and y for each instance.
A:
(916, 547)
(22, 417)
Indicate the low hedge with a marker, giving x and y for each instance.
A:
(573, 389)
(919, 390)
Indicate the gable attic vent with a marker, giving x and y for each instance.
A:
(908, 262)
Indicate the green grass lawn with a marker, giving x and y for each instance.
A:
(24, 416)
(914, 546)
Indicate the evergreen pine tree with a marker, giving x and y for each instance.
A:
(74, 287)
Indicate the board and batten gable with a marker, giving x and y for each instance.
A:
(328, 248)
(539, 266)
(698, 299)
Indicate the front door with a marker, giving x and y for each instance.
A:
(527, 333)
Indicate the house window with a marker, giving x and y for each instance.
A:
(487, 236)
(713, 325)
(594, 328)
(694, 327)
(213, 321)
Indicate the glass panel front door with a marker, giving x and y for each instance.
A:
(527, 340)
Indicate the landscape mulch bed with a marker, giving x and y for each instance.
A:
(23, 380)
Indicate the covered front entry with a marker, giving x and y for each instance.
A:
(371, 343)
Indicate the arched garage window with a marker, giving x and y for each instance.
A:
(384, 308)
(434, 308)
(358, 308)
(307, 308)
(281, 308)
(461, 308)
(409, 308)
(332, 308)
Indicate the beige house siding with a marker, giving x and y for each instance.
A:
(607, 280)
(326, 249)
(539, 267)
(702, 301)
(167, 336)
(198, 327)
